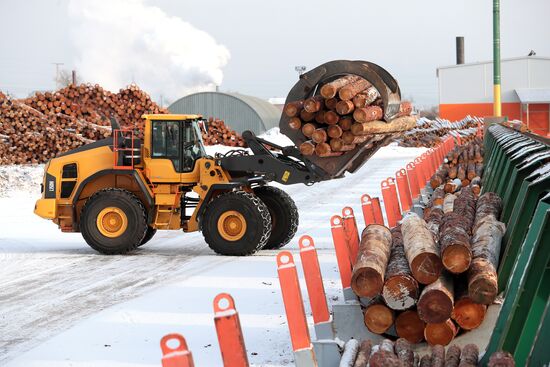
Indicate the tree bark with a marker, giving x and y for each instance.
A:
(314, 104)
(381, 127)
(452, 358)
(435, 304)
(367, 114)
(350, 90)
(438, 356)
(404, 352)
(363, 356)
(409, 326)
(330, 90)
(293, 109)
(469, 356)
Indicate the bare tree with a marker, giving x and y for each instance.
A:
(65, 78)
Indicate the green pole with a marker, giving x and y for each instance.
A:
(496, 59)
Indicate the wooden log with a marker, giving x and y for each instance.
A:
(363, 355)
(420, 249)
(338, 145)
(308, 129)
(501, 359)
(334, 131)
(384, 359)
(295, 123)
(307, 116)
(329, 90)
(469, 356)
(331, 118)
(293, 109)
(426, 361)
(468, 314)
(488, 204)
(320, 117)
(367, 114)
(409, 326)
(434, 218)
(323, 150)
(378, 317)
(405, 108)
(404, 352)
(349, 138)
(476, 185)
(330, 103)
(439, 177)
(314, 104)
(456, 254)
(448, 203)
(346, 123)
(319, 136)
(452, 186)
(435, 304)
(374, 251)
(438, 356)
(381, 127)
(400, 290)
(350, 90)
(441, 333)
(344, 107)
(307, 148)
(452, 357)
(366, 97)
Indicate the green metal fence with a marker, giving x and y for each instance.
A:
(518, 169)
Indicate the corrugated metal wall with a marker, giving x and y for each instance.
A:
(240, 112)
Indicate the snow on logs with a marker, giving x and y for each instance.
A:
(347, 111)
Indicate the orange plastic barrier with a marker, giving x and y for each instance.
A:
(396, 207)
(179, 356)
(352, 233)
(405, 197)
(419, 172)
(389, 194)
(292, 298)
(413, 180)
(314, 280)
(368, 211)
(228, 328)
(341, 249)
(377, 209)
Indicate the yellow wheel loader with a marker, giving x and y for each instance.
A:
(119, 191)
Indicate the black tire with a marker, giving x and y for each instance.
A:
(284, 215)
(148, 235)
(132, 208)
(257, 219)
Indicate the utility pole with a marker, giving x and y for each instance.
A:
(496, 59)
(74, 77)
(57, 65)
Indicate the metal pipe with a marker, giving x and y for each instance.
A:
(496, 58)
(459, 50)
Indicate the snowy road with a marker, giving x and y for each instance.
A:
(61, 304)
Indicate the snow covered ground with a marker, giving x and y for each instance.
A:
(62, 304)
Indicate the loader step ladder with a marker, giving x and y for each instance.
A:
(165, 213)
(125, 150)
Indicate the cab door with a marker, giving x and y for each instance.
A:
(164, 163)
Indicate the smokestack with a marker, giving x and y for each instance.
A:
(459, 50)
(74, 77)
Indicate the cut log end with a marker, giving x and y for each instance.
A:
(441, 333)
(409, 326)
(400, 292)
(426, 268)
(378, 318)
(367, 282)
(456, 258)
(468, 314)
(435, 306)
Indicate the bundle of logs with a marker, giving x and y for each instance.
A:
(401, 354)
(431, 277)
(347, 112)
(218, 132)
(38, 128)
(429, 133)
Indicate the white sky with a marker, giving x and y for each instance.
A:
(267, 39)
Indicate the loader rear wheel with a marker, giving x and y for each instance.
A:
(236, 224)
(113, 221)
(148, 235)
(284, 215)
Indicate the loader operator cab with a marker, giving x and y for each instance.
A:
(179, 141)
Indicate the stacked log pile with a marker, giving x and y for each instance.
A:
(37, 128)
(401, 354)
(347, 112)
(435, 276)
(429, 133)
(218, 132)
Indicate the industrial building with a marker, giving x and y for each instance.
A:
(239, 111)
(467, 89)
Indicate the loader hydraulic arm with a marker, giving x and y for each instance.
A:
(287, 167)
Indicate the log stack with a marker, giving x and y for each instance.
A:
(429, 133)
(439, 272)
(347, 112)
(218, 132)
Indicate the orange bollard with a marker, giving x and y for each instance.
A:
(377, 209)
(413, 180)
(179, 356)
(425, 167)
(341, 249)
(368, 212)
(314, 280)
(419, 173)
(292, 299)
(405, 197)
(352, 233)
(388, 203)
(433, 160)
(396, 207)
(228, 328)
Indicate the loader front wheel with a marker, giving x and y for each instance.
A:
(113, 221)
(236, 224)
(284, 215)
(148, 235)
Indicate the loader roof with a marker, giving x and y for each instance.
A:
(167, 116)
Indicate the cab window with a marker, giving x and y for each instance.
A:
(193, 148)
(166, 142)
